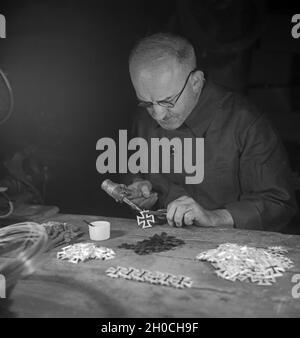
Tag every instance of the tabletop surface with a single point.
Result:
(62, 289)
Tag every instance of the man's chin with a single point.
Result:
(171, 125)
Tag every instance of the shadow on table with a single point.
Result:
(116, 234)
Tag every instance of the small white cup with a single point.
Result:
(100, 231)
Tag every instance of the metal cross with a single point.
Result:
(145, 220)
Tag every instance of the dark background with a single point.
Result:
(67, 64)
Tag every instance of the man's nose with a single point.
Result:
(158, 112)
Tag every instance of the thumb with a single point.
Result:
(188, 218)
(145, 190)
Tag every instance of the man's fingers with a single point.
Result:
(139, 189)
(178, 216)
(132, 193)
(138, 201)
(170, 213)
(149, 202)
(175, 213)
(188, 217)
(145, 189)
(145, 203)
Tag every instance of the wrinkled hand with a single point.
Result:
(141, 195)
(185, 210)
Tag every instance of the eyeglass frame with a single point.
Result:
(167, 104)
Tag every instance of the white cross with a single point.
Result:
(145, 219)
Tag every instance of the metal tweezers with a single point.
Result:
(159, 213)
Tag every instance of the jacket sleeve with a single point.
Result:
(267, 200)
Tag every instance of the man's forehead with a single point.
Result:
(163, 65)
(157, 75)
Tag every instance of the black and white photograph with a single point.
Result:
(149, 162)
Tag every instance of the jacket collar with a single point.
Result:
(204, 112)
(202, 115)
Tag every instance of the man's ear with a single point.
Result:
(197, 81)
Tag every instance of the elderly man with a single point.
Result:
(246, 171)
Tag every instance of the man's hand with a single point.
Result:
(186, 210)
(141, 195)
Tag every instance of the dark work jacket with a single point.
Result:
(246, 169)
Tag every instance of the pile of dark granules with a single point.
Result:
(156, 243)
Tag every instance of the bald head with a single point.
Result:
(159, 49)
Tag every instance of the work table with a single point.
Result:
(62, 289)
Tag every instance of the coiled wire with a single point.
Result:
(21, 245)
(10, 206)
(11, 98)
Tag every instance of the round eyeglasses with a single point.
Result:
(167, 103)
